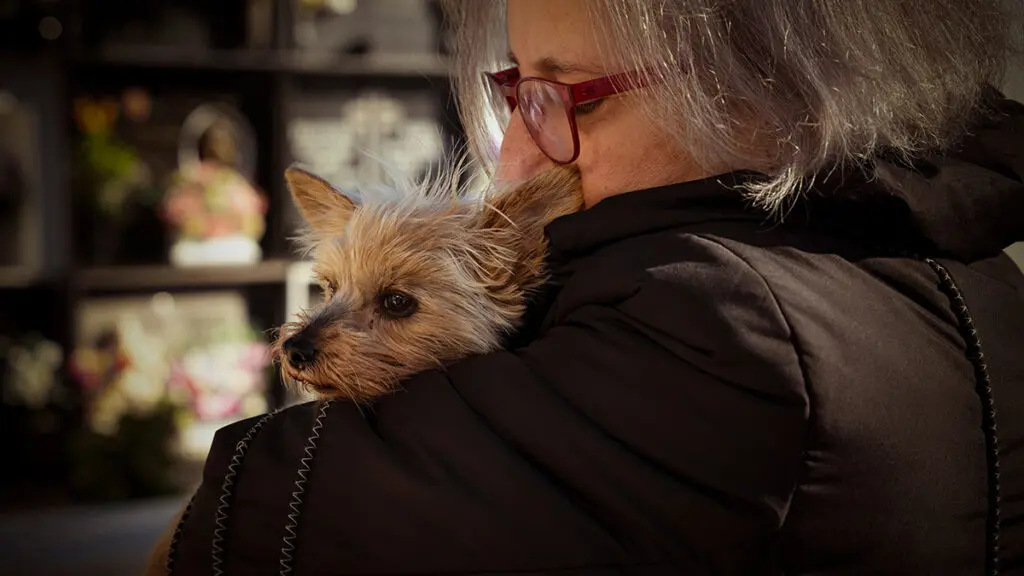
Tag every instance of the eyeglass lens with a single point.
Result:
(544, 109)
(545, 112)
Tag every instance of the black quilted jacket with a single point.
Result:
(702, 392)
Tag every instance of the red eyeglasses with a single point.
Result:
(549, 107)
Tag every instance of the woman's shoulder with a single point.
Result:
(688, 293)
(734, 275)
(686, 279)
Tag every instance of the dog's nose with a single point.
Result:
(301, 350)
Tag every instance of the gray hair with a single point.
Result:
(825, 83)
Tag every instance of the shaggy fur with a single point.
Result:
(462, 271)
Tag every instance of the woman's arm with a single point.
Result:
(666, 427)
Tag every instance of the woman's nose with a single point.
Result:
(519, 157)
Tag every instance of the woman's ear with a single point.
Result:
(325, 209)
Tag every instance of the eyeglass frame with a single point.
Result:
(573, 95)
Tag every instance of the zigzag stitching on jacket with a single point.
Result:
(305, 466)
(172, 548)
(227, 491)
(984, 389)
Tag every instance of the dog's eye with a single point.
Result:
(397, 304)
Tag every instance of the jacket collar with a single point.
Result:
(966, 204)
(616, 218)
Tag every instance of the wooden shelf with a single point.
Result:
(120, 278)
(267, 85)
(18, 277)
(431, 66)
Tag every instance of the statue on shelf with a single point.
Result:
(216, 214)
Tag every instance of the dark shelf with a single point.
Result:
(155, 277)
(429, 66)
(270, 87)
(14, 277)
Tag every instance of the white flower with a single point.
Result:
(224, 378)
(32, 374)
(107, 410)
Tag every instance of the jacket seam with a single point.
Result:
(797, 351)
(303, 474)
(227, 493)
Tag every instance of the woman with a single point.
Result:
(707, 389)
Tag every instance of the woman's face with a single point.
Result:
(619, 151)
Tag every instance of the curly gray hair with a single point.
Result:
(823, 82)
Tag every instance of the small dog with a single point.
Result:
(416, 280)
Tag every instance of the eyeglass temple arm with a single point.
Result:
(607, 86)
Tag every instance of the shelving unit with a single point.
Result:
(432, 67)
(163, 277)
(271, 83)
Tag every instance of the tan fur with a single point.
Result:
(470, 266)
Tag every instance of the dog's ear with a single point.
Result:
(325, 208)
(515, 217)
(531, 205)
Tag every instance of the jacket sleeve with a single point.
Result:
(660, 428)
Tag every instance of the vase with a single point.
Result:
(234, 250)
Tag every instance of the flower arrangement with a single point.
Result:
(223, 380)
(215, 214)
(151, 402)
(125, 372)
(108, 168)
(125, 448)
(33, 373)
(222, 372)
(220, 381)
(208, 200)
(110, 174)
(37, 415)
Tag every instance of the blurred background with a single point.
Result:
(145, 228)
(145, 249)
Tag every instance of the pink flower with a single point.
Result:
(218, 226)
(216, 406)
(183, 203)
(243, 200)
(256, 357)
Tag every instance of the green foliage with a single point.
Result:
(135, 462)
(107, 158)
(113, 176)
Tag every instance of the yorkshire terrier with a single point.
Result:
(415, 279)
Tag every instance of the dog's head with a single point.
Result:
(415, 281)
